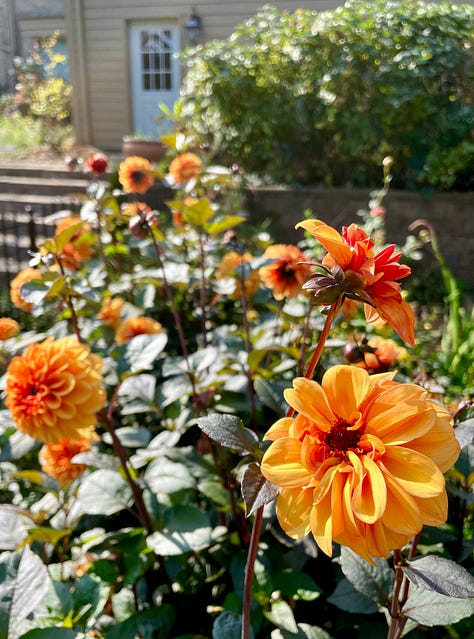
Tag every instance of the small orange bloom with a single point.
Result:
(231, 267)
(382, 354)
(354, 270)
(134, 175)
(362, 462)
(56, 459)
(185, 167)
(8, 328)
(78, 249)
(130, 209)
(111, 310)
(134, 326)
(23, 277)
(54, 390)
(285, 275)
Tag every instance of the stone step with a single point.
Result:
(42, 186)
(53, 169)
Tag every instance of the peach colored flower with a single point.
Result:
(354, 270)
(362, 462)
(184, 167)
(231, 267)
(285, 275)
(134, 175)
(381, 354)
(110, 312)
(56, 459)
(23, 277)
(130, 209)
(54, 390)
(8, 328)
(78, 249)
(133, 326)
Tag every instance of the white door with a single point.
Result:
(154, 74)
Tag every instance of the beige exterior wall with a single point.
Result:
(99, 54)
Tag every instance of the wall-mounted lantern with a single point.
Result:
(193, 28)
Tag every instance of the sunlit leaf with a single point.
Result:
(229, 431)
(441, 575)
(257, 491)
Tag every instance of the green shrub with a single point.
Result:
(321, 98)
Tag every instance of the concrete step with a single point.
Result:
(42, 185)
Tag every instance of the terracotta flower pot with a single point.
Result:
(152, 150)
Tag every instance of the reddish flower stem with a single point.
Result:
(248, 347)
(70, 305)
(257, 524)
(400, 593)
(202, 294)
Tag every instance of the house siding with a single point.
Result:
(105, 25)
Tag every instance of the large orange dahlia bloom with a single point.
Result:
(135, 174)
(184, 167)
(286, 274)
(358, 272)
(54, 390)
(362, 462)
(56, 459)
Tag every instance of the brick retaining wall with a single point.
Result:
(451, 214)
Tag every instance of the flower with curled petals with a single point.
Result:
(184, 167)
(362, 462)
(354, 270)
(287, 272)
(135, 175)
(133, 326)
(111, 311)
(56, 459)
(23, 277)
(54, 390)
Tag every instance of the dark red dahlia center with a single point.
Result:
(340, 439)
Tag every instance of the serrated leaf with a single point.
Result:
(431, 608)
(104, 492)
(30, 584)
(256, 489)
(373, 581)
(198, 213)
(347, 598)
(229, 431)
(441, 575)
(187, 529)
(142, 350)
(282, 616)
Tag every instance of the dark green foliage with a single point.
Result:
(321, 98)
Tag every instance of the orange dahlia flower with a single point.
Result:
(285, 275)
(130, 209)
(362, 462)
(381, 354)
(230, 267)
(110, 312)
(135, 175)
(184, 167)
(23, 277)
(133, 326)
(8, 328)
(54, 390)
(56, 459)
(356, 271)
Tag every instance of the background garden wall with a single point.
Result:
(451, 214)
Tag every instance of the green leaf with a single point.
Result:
(229, 431)
(431, 608)
(372, 581)
(282, 616)
(14, 525)
(61, 239)
(199, 213)
(104, 492)
(223, 225)
(296, 585)
(256, 489)
(227, 624)
(52, 633)
(441, 575)
(23, 592)
(305, 631)
(347, 598)
(47, 535)
(129, 436)
(187, 529)
(270, 395)
(142, 350)
(166, 476)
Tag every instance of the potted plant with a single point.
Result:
(151, 149)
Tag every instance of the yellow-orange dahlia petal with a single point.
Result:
(309, 399)
(281, 464)
(439, 444)
(417, 474)
(402, 513)
(279, 429)
(434, 510)
(369, 498)
(8, 328)
(321, 524)
(293, 510)
(355, 383)
(330, 239)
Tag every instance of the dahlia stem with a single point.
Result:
(143, 513)
(70, 305)
(249, 571)
(248, 348)
(202, 294)
(303, 340)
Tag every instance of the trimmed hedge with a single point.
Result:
(322, 98)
